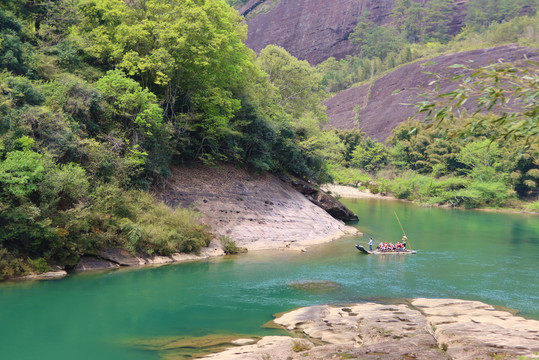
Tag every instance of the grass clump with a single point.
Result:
(299, 346)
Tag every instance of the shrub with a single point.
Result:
(534, 206)
(229, 246)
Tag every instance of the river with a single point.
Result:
(140, 313)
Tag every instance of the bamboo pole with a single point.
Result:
(394, 212)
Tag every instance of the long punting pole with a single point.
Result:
(401, 225)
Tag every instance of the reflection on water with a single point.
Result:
(465, 254)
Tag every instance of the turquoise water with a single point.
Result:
(489, 257)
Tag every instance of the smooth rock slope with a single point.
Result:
(392, 97)
(256, 211)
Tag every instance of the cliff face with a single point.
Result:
(315, 30)
(256, 211)
(388, 102)
(311, 30)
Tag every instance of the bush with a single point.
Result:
(229, 246)
(534, 207)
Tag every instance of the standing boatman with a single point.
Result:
(370, 244)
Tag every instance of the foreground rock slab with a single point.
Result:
(474, 330)
(429, 329)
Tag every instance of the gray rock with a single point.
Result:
(121, 257)
(91, 263)
(325, 201)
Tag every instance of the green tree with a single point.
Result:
(370, 156)
(190, 53)
(12, 48)
(136, 108)
(375, 41)
(423, 21)
(481, 13)
(298, 83)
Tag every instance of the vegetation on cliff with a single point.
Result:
(410, 37)
(99, 97)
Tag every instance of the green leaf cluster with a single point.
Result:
(98, 98)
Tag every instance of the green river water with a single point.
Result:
(135, 313)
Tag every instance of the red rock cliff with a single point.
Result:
(315, 30)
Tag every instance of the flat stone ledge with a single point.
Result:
(424, 329)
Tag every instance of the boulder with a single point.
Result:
(425, 329)
(325, 201)
(474, 330)
(256, 211)
(49, 275)
(92, 263)
(121, 257)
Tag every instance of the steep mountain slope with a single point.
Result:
(315, 30)
(386, 103)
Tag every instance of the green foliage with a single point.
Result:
(534, 207)
(495, 86)
(297, 81)
(423, 22)
(12, 49)
(229, 246)
(481, 13)
(181, 48)
(348, 175)
(20, 173)
(132, 106)
(370, 156)
(375, 41)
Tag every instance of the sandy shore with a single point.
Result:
(353, 193)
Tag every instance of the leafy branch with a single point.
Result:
(510, 91)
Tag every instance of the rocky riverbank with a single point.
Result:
(258, 212)
(429, 329)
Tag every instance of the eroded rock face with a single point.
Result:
(315, 30)
(256, 211)
(428, 329)
(392, 97)
(327, 202)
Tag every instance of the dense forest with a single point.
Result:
(99, 98)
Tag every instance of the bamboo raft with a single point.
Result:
(376, 252)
